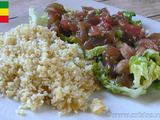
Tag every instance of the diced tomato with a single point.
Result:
(73, 26)
(134, 30)
(104, 16)
(83, 33)
(94, 31)
(80, 15)
(140, 50)
(107, 25)
(112, 52)
(120, 13)
(95, 41)
(122, 66)
(65, 25)
(104, 26)
(55, 12)
(109, 57)
(53, 16)
(127, 51)
(87, 9)
(104, 10)
(147, 43)
(94, 20)
(155, 36)
(54, 27)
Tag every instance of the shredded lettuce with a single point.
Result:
(71, 39)
(146, 69)
(108, 83)
(36, 19)
(95, 51)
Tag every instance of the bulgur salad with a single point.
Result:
(37, 67)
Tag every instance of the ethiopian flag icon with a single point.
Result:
(4, 11)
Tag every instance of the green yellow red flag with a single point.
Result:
(4, 11)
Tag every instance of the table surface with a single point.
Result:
(146, 8)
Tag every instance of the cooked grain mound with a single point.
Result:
(37, 67)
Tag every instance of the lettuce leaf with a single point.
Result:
(36, 19)
(95, 51)
(145, 69)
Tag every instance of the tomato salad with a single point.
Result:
(115, 41)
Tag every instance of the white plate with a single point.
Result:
(121, 107)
